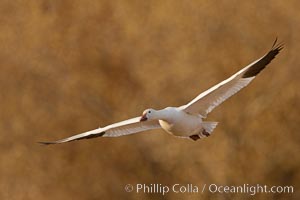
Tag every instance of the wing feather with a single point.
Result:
(126, 127)
(211, 98)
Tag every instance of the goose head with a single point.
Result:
(148, 114)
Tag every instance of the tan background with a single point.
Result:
(71, 66)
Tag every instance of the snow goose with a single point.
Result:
(185, 121)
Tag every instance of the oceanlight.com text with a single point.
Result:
(249, 189)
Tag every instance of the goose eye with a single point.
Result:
(149, 111)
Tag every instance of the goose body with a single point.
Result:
(185, 121)
(179, 123)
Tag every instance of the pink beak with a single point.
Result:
(143, 118)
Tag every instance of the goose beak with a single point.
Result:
(143, 118)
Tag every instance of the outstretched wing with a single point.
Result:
(126, 127)
(211, 98)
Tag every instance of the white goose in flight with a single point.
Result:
(185, 121)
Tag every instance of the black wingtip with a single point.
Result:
(274, 43)
(264, 61)
(277, 47)
(70, 139)
(46, 143)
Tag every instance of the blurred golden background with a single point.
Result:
(72, 66)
